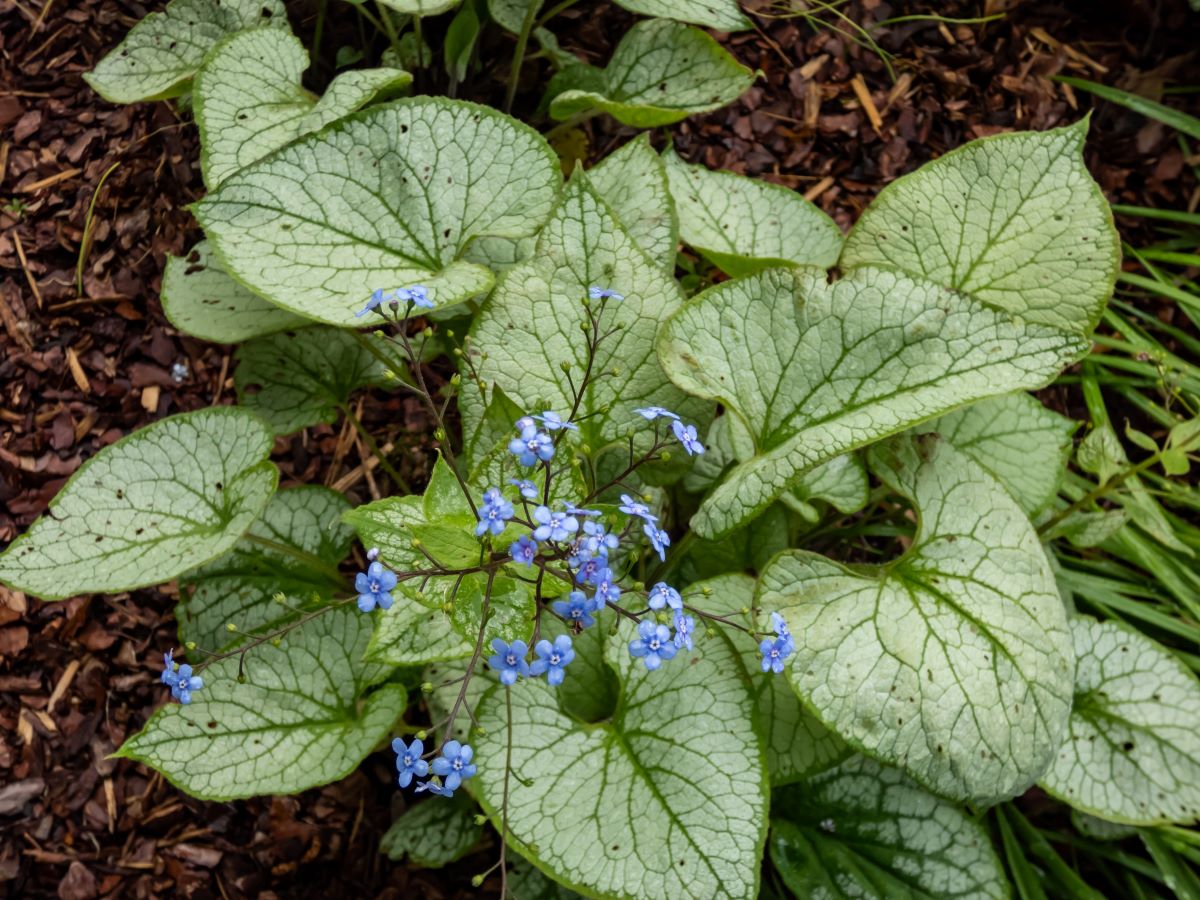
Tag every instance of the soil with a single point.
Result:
(93, 199)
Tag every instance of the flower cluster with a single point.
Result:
(450, 770)
(180, 679)
(416, 295)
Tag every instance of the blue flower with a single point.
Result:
(659, 539)
(509, 660)
(554, 422)
(434, 788)
(598, 542)
(552, 659)
(523, 550)
(607, 590)
(185, 684)
(554, 525)
(602, 293)
(373, 554)
(685, 626)
(650, 413)
(781, 629)
(580, 511)
(662, 594)
(686, 435)
(377, 298)
(531, 446)
(409, 762)
(374, 587)
(494, 513)
(417, 295)
(588, 568)
(454, 766)
(168, 676)
(577, 609)
(525, 488)
(653, 644)
(774, 652)
(632, 507)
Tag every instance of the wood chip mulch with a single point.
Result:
(92, 200)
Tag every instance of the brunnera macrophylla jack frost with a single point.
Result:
(609, 583)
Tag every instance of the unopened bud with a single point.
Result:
(422, 734)
(480, 819)
(428, 332)
(706, 591)
(458, 351)
(456, 379)
(276, 642)
(241, 678)
(427, 687)
(373, 554)
(565, 365)
(449, 333)
(230, 627)
(378, 332)
(479, 731)
(584, 327)
(440, 434)
(416, 543)
(191, 645)
(666, 455)
(745, 610)
(476, 881)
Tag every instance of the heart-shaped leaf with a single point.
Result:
(743, 225)
(165, 499)
(1013, 220)
(249, 100)
(1132, 753)
(1020, 442)
(200, 299)
(849, 363)
(282, 729)
(722, 15)
(295, 379)
(953, 662)
(410, 634)
(384, 198)
(530, 326)
(162, 52)
(667, 799)
(864, 830)
(301, 541)
(660, 73)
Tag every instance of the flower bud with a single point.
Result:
(191, 645)
(230, 627)
(476, 881)
(427, 687)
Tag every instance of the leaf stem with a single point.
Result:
(389, 27)
(514, 76)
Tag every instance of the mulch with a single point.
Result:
(93, 199)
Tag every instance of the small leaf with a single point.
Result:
(200, 299)
(250, 102)
(849, 363)
(1014, 220)
(743, 225)
(673, 786)
(842, 483)
(510, 14)
(295, 379)
(864, 830)
(240, 586)
(162, 52)
(721, 15)
(1185, 435)
(459, 43)
(633, 182)
(661, 72)
(161, 501)
(1140, 438)
(953, 662)
(1021, 443)
(530, 325)
(1101, 454)
(297, 720)
(434, 833)
(1132, 753)
(384, 198)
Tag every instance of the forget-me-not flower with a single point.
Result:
(650, 413)
(632, 507)
(434, 788)
(523, 550)
(685, 626)
(576, 609)
(597, 541)
(554, 525)
(662, 594)
(596, 292)
(553, 659)
(607, 590)
(525, 488)
(659, 539)
(774, 652)
(408, 761)
(686, 435)
(531, 446)
(781, 629)
(653, 645)
(181, 681)
(552, 421)
(454, 766)
(374, 587)
(509, 660)
(494, 513)
(417, 295)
